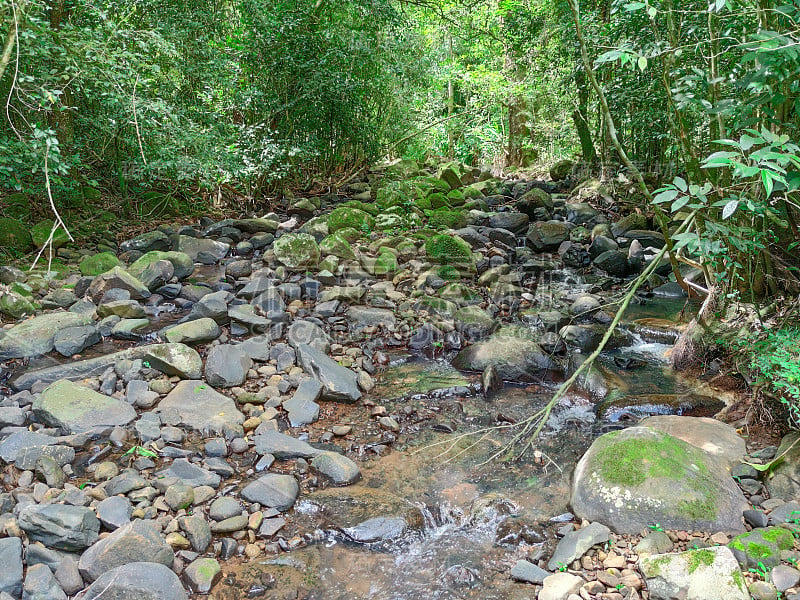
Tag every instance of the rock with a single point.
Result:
(49, 471)
(559, 586)
(202, 574)
(37, 335)
(306, 332)
(227, 366)
(336, 467)
(513, 353)
(705, 574)
(474, 323)
(16, 305)
(515, 222)
(190, 474)
(193, 247)
(136, 581)
(60, 526)
(762, 545)
(200, 407)
(785, 480)
(74, 340)
(179, 496)
(11, 559)
(224, 507)
(68, 576)
(283, 446)
(656, 542)
(76, 409)
(197, 531)
(616, 409)
(125, 545)
(14, 235)
(561, 170)
(711, 436)
(377, 529)
(339, 384)
(93, 265)
(528, 572)
(114, 512)
(302, 407)
(613, 262)
(173, 359)
(125, 309)
(117, 278)
(24, 448)
(633, 478)
(153, 240)
(547, 235)
(273, 490)
(41, 585)
(297, 250)
(576, 543)
(182, 264)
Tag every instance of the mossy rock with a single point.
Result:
(17, 206)
(368, 207)
(405, 169)
(561, 170)
(355, 218)
(297, 250)
(455, 198)
(385, 263)
(14, 237)
(95, 264)
(338, 246)
(446, 219)
(448, 250)
(438, 200)
(761, 545)
(41, 231)
(15, 305)
(459, 293)
(423, 203)
(434, 184)
(181, 262)
(637, 477)
(448, 273)
(350, 235)
(473, 192)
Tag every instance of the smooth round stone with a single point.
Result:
(179, 496)
(784, 577)
(224, 507)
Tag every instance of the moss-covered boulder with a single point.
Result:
(533, 199)
(181, 262)
(700, 574)
(101, 262)
(446, 219)
(15, 305)
(350, 235)
(455, 198)
(297, 250)
(512, 351)
(448, 250)
(338, 246)
(385, 263)
(41, 232)
(345, 216)
(761, 545)
(561, 170)
(437, 200)
(635, 478)
(14, 236)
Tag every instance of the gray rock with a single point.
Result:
(214, 306)
(377, 529)
(474, 323)
(613, 262)
(547, 235)
(11, 559)
(49, 471)
(528, 572)
(68, 576)
(60, 526)
(193, 246)
(513, 352)
(153, 240)
(117, 279)
(273, 490)
(125, 309)
(224, 507)
(656, 542)
(339, 384)
(227, 366)
(297, 250)
(306, 332)
(136, 581)
(75, 409)
(710, 435)
(127, 544)
(283, 446)
(705, 574)
(515, 222)
(577, 543)
(560, 586)
(40, 584)
(269, 527)
(179, 496)
(336, 467)
(73, 340)
(302, 407)
(190, 474)
(229, 525)
(362, 316)
(37, 335)
(202, 574)
(633, 478)
(784, 577)
(193, 332)
(203, 409)
(761, 546)
(114, 512)
(197, 532)
(24, 448)
(785, 480)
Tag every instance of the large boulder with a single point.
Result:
(101, 262)
(117, 278)
(76, 409)
(128, 544)
(37, 335)
(14, 236)
(60, 526)
(785, 480)
(197, 405)
(512, 351)
(713, 437)
(136, 581)
(634, 478)
(702, 574)
(338, 383)
(227, 366)
(547, 235)
(297, 250)
(181, 262)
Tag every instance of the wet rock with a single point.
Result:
(633, 478)
(190, 474)
(528, 572)
(377, 529)
(513, 353)
(547, 235)
(37, 335)
(273, 490)
(227, 366)
(75, 409)
(40, 584)
(705, 574)
(283, 446)
(11, 559)
(711, 436)
(585, 338)
(339, 384)
(136, 581)
(60, 526)
(559, 586)
(602, 244)
(336, 467)
(200, 407)
(202, 574)
(613, 262)
(474, 323)
(576, 543)
(633, 408)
